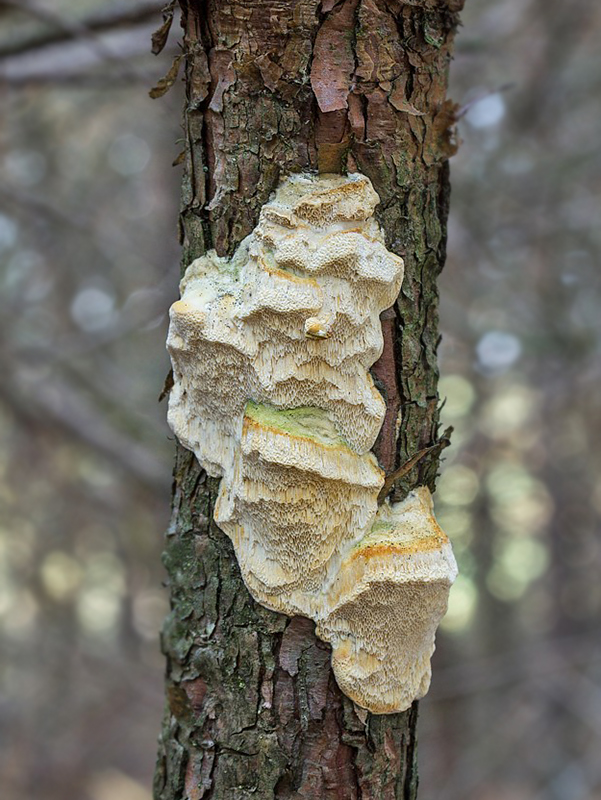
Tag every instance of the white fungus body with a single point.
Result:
(271, 352)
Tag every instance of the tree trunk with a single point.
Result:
(275, 87)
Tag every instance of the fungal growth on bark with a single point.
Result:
(271, 352)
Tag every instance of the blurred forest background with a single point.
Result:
(88, 268)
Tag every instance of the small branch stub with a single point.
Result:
(405, 469)
(271, 352)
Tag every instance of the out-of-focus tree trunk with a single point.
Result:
(274, 87)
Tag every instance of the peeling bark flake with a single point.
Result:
(380, 55)
(270, 72)
(384, 371)
(356, 117)
(333, 59)
(293, 640)
(222, 70)
(199, 78)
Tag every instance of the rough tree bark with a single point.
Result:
(273, 87)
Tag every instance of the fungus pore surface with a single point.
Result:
(271, 352)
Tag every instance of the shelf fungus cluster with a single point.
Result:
(271, 352)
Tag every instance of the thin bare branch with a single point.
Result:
(58, 404)
(60, 28)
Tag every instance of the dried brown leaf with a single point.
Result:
(166, 82)
(167, 385)
(160, 36)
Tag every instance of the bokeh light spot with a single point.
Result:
(486, 112)
(93, 309)
(462, 604)
(8, 233)
(61, 575)
(25, 167)
(507, 411)
(458, 486)
(128, 154)
(459, 394)
(498, 350)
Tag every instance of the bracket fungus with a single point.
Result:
(271, 352)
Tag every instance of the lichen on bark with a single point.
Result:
(252, 708)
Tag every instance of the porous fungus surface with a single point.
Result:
(271, 352)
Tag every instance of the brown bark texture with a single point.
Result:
(274, 87)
